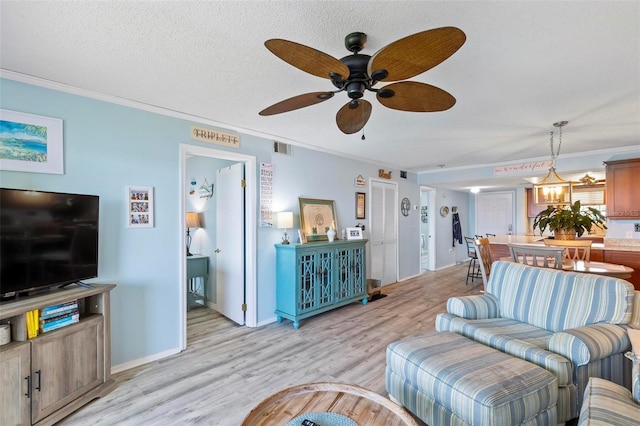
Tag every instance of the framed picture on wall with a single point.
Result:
(316, 217)
(361, 202)
(30, 143)
(140, 206)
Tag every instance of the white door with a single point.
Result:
(230, 276)
(494, 213)
(384, 231)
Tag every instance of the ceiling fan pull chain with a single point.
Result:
(363, 138)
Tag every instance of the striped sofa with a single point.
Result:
(571, 324)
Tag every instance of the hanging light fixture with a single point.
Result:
(553, 190)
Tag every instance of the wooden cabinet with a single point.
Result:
(623, 196)
(627, 258)
(316, 277)
(532, 208)
(50, 376)
(15, 373)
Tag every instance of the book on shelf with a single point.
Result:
(58, 316)
(60, 323)
(54, 310)
(32, 323)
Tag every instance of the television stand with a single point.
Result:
(80, 283)
(48, 377)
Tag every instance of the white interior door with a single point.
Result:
(384, 231)
(494, 213)
(230, 275)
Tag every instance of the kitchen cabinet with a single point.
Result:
(532, 208)
(627, 258)
(623, 197)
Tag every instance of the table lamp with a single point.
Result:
(193, 221)
(285, 220)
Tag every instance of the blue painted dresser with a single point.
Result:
(319, 276)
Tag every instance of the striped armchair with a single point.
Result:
(606, 403)
(569, 323)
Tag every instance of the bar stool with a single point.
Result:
(473, 270)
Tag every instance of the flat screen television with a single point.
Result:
(46, 239)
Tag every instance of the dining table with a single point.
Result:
(591, 267)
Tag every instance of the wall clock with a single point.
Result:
(444, 211)
(405, 206)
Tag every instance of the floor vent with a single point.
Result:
(281, 148)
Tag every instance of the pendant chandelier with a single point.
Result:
(553, 190)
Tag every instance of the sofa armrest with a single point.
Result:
(483, 306)
(583, 345)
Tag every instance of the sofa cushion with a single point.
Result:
(513, 337)
(557, 300)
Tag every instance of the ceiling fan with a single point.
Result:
(356, 73)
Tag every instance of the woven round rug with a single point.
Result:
(323, 419)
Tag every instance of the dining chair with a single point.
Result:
(483, 249)
(473, 270)
(573, 249)
(543, 257)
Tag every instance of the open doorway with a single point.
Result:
(427, 229)
(245, 291)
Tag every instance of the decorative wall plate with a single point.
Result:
(405, 206)
(444, 211)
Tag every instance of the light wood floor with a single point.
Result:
(226, 369)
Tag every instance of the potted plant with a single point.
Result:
(566, 222)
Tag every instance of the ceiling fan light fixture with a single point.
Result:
(386, 93)
(355, 89)
(378, 75)
(356, 73)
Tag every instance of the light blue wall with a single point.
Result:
(109, 146)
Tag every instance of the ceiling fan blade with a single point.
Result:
(417, 53)
(417, 97)
(353, 116)
(307, 58)
(297, 102)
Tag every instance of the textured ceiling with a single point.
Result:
(524, 66)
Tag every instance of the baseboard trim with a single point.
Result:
(144, 360)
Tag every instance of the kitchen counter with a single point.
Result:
(617, 244)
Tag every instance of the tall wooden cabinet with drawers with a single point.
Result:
(316, 277)
(48, 377)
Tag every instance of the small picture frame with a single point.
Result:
(140, 206)
(361, 203)
(354, 233)
(302, 236)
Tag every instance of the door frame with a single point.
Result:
(250, 229)
(431, 194)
